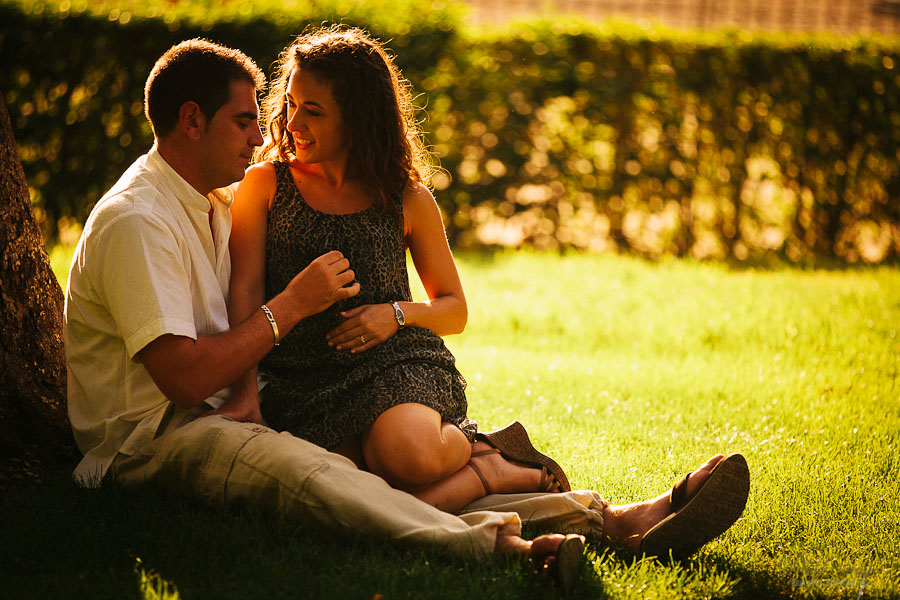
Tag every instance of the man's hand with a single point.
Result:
(366, 327)
(240, 407)
(323, 282)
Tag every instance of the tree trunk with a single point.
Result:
(34, 430)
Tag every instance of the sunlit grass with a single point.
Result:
(630, 374)
(636, 372)
(60, 259)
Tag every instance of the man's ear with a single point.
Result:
(192, 121)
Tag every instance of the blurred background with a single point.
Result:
(741, 130)
(840, 16)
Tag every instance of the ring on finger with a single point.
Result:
(362, 338)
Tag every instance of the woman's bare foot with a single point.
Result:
(503, 476)
(626, 524)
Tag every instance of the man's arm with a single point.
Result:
(247, 244)
(188, 371)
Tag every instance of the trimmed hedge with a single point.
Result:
(703, 145)
(552, 135)
(73, 79)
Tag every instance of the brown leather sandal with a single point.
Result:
(514, 444)
(706, 515)
(561, 567)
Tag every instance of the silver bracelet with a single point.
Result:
(272, 322)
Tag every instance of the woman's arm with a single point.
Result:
(248, 268)
(444, 313)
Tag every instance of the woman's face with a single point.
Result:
(314, 120)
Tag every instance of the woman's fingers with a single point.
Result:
(366, 326)
(351, 323)
(364, 344)
(351, 338)
(356, 339)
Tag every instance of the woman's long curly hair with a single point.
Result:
(387, 152)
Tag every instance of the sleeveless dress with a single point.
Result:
(325, 395)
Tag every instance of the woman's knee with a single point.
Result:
(409, 461)
(409, 446)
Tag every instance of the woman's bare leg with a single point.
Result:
(413, 450)
(464, 486)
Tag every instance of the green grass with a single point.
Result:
(60, 259)
(629, 374)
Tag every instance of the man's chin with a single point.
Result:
(229, 181)
(237, 175)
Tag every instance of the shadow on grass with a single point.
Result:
(58, 540)
(62, 541)
(703, 576)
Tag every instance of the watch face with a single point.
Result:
(401, 318)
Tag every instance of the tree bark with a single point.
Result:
(34, 429)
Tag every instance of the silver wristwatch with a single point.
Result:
(398, 314)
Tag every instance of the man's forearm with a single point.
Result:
(188, 371)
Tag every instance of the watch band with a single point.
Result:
(398, 314)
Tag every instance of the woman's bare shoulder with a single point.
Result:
(417, 196)
(258, 184)
(420, 210)
(261, 171)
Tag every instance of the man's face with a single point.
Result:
(230, 137)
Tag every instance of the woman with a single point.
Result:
(343, 169)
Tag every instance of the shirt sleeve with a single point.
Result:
(144, 280)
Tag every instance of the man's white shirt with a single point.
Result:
(147, 264)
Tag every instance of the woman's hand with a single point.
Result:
(365, 327)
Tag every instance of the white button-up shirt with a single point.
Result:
(147, 264)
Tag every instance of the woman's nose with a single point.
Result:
(295, 123)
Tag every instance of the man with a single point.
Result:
(151, 353)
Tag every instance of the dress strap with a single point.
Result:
(398, 202)
(284, 182)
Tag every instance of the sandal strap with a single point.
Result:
(484, 452)
(679, 497)
(484, 483)
(549, 482)
(515, 446)
(476, 453)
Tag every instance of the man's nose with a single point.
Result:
(257, 137)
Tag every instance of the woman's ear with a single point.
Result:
(191, 121)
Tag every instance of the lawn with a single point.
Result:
(629, 373)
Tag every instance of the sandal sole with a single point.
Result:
(713, 509)
(569, 557)
(514, 444)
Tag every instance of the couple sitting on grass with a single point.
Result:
(195, 313)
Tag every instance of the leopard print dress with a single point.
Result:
(325, 395)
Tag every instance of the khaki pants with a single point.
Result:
(223, 462)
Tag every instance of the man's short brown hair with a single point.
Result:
(195, 71)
